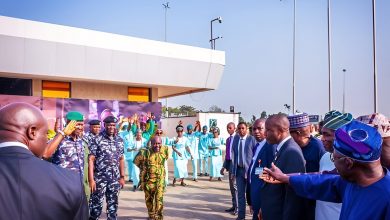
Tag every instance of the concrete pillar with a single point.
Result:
(154, 94)
(36, 87)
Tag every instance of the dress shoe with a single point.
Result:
(240, 218)
(230, 210)
(234, 213)
(200, 174)
(206, 174)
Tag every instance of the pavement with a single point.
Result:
(197, 200)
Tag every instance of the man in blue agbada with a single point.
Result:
(203, 149)
(363, 185)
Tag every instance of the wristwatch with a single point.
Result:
(62, 133)
(122, 177)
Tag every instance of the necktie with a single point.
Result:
(254, 149)
(241, 164)
(276, 153)
(228, 148)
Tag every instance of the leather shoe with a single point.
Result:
(234, 213)
(240, 218)
(230, 210)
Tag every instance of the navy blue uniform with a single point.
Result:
(107, 154)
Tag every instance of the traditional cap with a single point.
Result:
(142, 124)
(335, 119)
(190, 127)
(205, 127)
(110, 119)
(138, 130)
(299, 121)
(358, 141)
(77, 116)
(377, 121)
(216, 129)
(179, 127)
(94, 122)
(124, 127)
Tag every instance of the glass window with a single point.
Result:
(15, 86)
(138, 94)
(55, 89)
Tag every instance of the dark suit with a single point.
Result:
(282, 202)
(228, 165)
(253, 188)
(239, 172)
(35, 189)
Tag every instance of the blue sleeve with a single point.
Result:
(121, 148)
(93, 148)
(211, 135)
(197, 134)
(324, 187)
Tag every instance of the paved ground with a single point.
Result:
(197, 200)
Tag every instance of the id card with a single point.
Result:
(259, 170)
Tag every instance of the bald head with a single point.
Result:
(24, 123)
(231, 127)
(277, 128)
(156, 143)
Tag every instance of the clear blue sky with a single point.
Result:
(257, 38)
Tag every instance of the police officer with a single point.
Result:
(94, 130)
(69, 149)
(106, 173)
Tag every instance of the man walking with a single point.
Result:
(151, 160)
(228, 165)
(106, 170)
(243, 145)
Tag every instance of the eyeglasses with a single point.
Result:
(158, 132)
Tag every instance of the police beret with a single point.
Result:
(110, 119)
(94, 122)
(77, 116)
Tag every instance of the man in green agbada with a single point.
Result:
(151, 163)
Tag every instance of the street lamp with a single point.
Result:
(344, 70)
(211, 39)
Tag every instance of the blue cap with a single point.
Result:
(138, 130)
(190, 127)
(205, 127)
(358, 141)
(299, 121)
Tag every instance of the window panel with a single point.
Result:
(55, 89)
(138, 94)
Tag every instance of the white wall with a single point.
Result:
(222, 120)
(169, 124)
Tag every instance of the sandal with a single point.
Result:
(219, 179)
(211, 179)
(183, 184)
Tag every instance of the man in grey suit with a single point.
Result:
(281, 201)
(243, 145)
(228, 165)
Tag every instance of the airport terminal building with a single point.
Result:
(48, 60)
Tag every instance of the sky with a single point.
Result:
(258, 42)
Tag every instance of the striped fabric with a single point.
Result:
(335, 119)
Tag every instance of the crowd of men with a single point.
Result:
(345, 165)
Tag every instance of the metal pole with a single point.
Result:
(374, 45)
(344, 70)
(211, 35)
(165, 24)
(294, 62)
(329, 61)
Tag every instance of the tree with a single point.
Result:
(215, 108)
(164, 111)
(173, 111)
(253, 119)
(187, 110)
(240, 119)
(281, 113)
(263, 115)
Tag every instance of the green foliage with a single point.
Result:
(264, 115)
(215, 108)
(241, 120)
(187, 110)
(253, 119)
